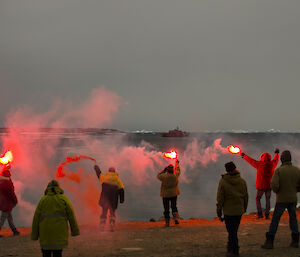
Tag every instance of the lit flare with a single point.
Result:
(171, 155)
(7, 158)
(234, 149)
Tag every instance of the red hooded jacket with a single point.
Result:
(265, 169)
(8, 199)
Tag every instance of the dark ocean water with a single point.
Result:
(136, 157)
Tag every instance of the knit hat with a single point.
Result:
(286, 156)
(112, 169)
(53, 183)
(170, 168)
(6, 173)
(230, 166)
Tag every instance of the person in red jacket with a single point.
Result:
(265, 170)
(8, 201)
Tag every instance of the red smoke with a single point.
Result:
(60, 173)
(35, 152)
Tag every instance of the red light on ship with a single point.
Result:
(171, 155)
(234, 149)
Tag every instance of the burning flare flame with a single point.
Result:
(233, 149)
(171, 155)
(7, 158)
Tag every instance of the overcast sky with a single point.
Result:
(201, 65)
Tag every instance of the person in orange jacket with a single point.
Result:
(264, 173)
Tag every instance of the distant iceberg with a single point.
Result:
(143, 131)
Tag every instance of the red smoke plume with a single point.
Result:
(71, 175)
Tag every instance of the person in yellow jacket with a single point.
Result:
(169, 191)
(50, 221)
(112, 189)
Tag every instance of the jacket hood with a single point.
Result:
(232, 177)
(266, 157)
(53, 190)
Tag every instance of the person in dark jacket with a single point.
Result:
(264, 172)
(232, 200)
(169, 191)
(8, 200)
(50, 222)
(112, 189)
(285, 183)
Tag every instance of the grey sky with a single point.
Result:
(202, 65)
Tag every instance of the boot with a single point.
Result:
(15, 231)
(112, 225)
(229, 249)
(102, 224)
(167, 222)
(259, 215)
(295, 240)
(236, 251)
(267, 215)
(176, 217)
(269, 241)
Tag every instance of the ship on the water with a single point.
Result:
(176, 133)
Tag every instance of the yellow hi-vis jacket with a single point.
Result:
(111, 178)
(112, 189)
(51, 218)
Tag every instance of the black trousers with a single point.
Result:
(166, 203)
(48, 253)
(232, 225)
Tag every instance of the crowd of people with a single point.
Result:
(54, 212)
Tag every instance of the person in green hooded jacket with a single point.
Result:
(50, 221)
(285, 183)
(232, 200)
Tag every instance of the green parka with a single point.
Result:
(169, 182)
(50, 221)
(286, 182)
(232, 196)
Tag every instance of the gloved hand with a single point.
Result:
(97, 170)
(242, 154)
(177, 161)
(122, 195)
(219, 213)
(276, 150)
